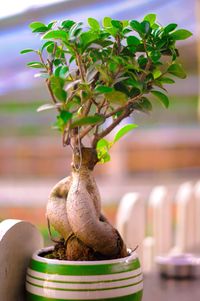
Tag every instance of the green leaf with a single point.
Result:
(155, 56)
(46, 44)
(65, 116)
(57, 71)
(91, 73)
(170, 27)
(145, 27)
(125, 23)
(75, 30)
(102, 148)
(107, 22)
(63, 71)
(56, 34)
(162, 97)
(57, 62)
(177, 70)
(133, 41)
(117, 24)
(181, 34)
(87, 38)
(136, 26)
(67, 24)
(156, 73)
(124, 130)
(48, 106)
(167, 80)
(94, 24)
(145, 104)
(41, 29)
(103, 143)
(103, 89)
(116, 97)
(72, 84)
(57, 85)
(151, 18)
(35, 25)
(42, 75)
(62, 120)
(95, 119)
(103, 157)
(26, 51)
(35, 65)
(51, 24)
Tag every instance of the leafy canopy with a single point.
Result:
(97, 75)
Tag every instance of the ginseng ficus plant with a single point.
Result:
(98, 75)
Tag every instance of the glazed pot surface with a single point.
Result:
(108, 280)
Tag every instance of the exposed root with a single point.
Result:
(74, 211)
(56, 207)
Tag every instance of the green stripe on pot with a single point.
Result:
(77, 270)
(133, 297)
(83, 290)
(85, 282)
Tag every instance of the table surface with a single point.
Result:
(161, 289)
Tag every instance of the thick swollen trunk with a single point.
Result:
(82, 215)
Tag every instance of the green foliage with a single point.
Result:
(96, 119)
(177, 70)
(104, 146)
(151, 18)
(124, 130)
(55, 34)
(105, 71)
(94, 24)
(162, 97)
(181, 34)
(26, 51)
(36, 65)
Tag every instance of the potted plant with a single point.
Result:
(97, 76)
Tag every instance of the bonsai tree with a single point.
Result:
(97, 76)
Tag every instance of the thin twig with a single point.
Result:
(112, 126)
(51, 92)
(86, 131)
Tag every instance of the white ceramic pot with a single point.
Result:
(108, 280)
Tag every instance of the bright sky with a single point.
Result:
(10, 7)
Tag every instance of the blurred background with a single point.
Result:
(164, 150)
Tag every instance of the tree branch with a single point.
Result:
(86, 131)
(117, 110)
(51, 92)
(80, 65)
(148, 65)
(104, 133)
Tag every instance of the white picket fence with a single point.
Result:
(165, 223)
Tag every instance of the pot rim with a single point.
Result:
(133, 255)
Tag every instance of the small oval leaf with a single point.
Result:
(133, 41)
(181, 34)
(55, 34)
(48, 106)
(35, 25)
(94, 24)
(162, 97)
(26, 51)
(177, 70)
(95, 119)
(124, 130)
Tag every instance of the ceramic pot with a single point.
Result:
(108, 280)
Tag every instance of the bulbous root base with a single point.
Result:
(74, 210)
(75, 249)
